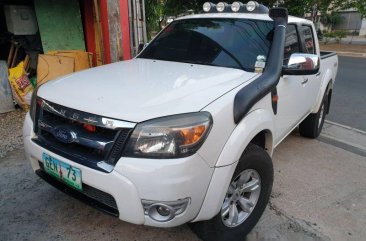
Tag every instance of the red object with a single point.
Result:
(89, 29)
(89, 128)
(275, 98)
(105, 31)
(23, 82)
(125, 27)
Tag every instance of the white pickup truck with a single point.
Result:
(184, 132)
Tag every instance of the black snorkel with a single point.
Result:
(249, 95)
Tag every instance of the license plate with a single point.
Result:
(62, 171)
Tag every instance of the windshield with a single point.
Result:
(232, 43)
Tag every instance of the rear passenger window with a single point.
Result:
(291, 43)
(309, 40)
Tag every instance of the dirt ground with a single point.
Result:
(343, 48)
(11, 131)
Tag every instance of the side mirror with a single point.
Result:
(302, 64)
(141, 47)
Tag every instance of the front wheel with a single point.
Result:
(245, 200)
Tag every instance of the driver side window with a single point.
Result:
(291, 43)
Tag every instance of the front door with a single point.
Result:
(291, 90)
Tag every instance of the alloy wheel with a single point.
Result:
(241, 198)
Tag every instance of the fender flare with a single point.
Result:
(255, 122)
(327, 84)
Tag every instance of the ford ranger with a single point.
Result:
(184, 132)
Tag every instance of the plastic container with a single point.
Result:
(6, 97)
(20, 19)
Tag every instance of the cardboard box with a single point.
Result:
(51, 67)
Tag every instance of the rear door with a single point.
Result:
(311, 83)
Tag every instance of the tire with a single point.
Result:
(312, 126)
(253, 158)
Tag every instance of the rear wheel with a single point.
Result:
(245, 200)
(312, 126)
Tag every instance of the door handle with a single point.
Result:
(318, 74)
(305, 81)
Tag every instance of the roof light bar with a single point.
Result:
(235, 7)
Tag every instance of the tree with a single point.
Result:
(360, 5)
(298, 7)
(154, 12)
(158, 9)
(331, 19)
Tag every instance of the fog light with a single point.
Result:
(163, 211)
(251, 6)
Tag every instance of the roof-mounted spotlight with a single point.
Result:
(222, 6)
(251, 6)
(255, 7)
(208, 7)
(237, 6)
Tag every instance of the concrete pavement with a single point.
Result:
(32, 210)
(323, 185)
(345, 137)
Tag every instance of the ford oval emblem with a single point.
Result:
(64, 135)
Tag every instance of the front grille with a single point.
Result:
(67, 133)
(89, 195)
(117, 149)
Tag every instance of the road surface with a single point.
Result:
(349, 93)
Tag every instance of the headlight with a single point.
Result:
(170, 137)
(32, 108)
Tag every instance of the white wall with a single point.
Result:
(363, 27)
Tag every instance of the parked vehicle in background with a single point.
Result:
(184, 133)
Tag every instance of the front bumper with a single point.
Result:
(137, 179)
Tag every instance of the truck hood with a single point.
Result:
(142, 89)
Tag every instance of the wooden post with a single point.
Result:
(105, 31)
(11, 54)
(89, 29)
(125, 26)
(115, 34)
